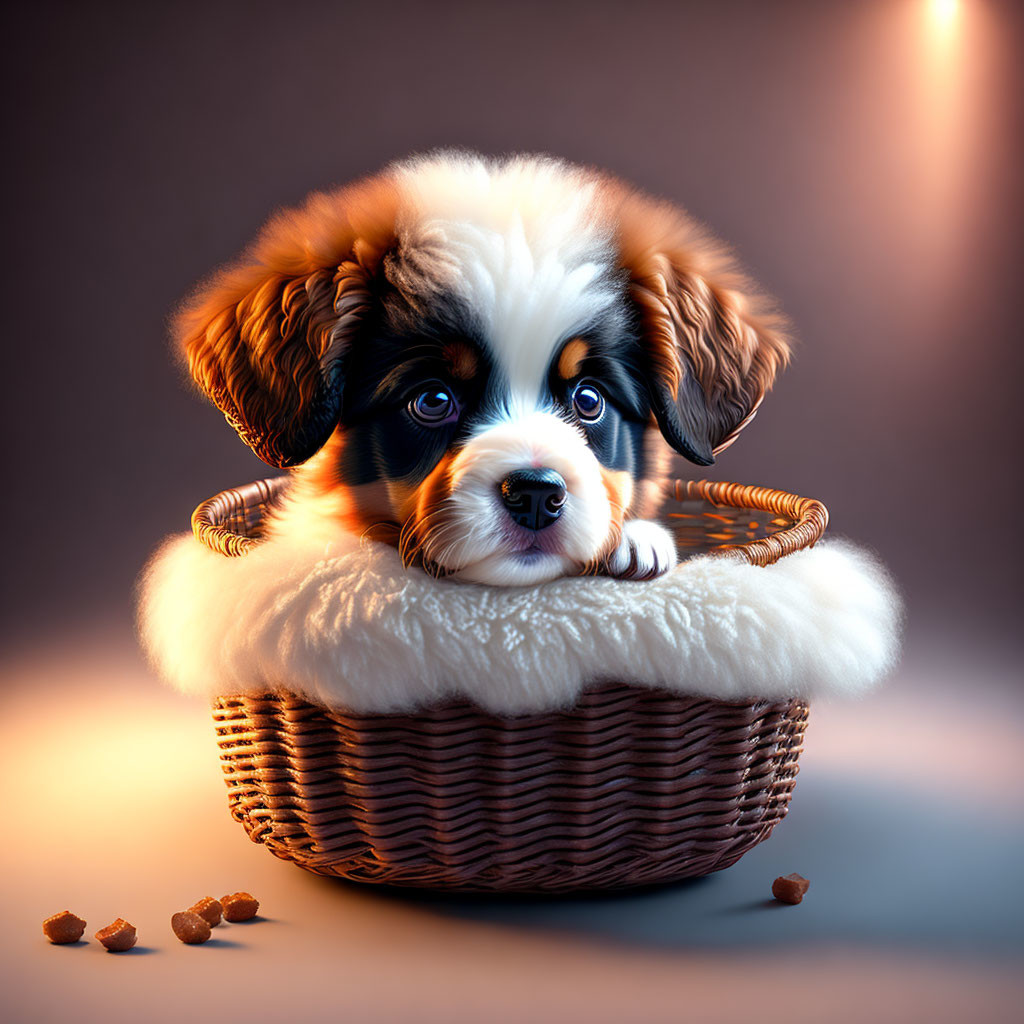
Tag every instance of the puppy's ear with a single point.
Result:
(711, 346)
(265, 340)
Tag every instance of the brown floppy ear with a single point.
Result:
(265, 340)
(711, 345)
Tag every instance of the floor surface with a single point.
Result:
(908, 818)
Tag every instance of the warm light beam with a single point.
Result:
(944, 13)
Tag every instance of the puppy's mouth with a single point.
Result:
(534, 555)
(520, 556)
(527, 553)
(520, 568)
(519, 542)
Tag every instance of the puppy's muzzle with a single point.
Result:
(534, 498)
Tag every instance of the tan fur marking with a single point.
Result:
(369, 510)
(618, 485)
(571, 359)
(462, 359)
(650, 491)
(426, 529)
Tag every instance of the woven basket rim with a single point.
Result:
(212, 528)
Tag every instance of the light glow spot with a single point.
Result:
(944, 13)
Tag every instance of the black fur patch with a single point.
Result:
(402, 350)
(612, 366)
(398, 356)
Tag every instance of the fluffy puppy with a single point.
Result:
(480, 361)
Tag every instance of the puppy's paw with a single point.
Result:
(646, 550)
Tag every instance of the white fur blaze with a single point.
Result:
(521, 243)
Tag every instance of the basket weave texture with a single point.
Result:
(632, 786)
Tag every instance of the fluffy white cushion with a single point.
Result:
(346, 625)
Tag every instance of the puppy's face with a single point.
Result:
(478, 361)
(494, 472)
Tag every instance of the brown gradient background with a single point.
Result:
(863, 161)
(868, 185)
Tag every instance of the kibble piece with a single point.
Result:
(190, 928)
(118, 937)
(790, 888)
(208, 909)
(63, 928)
(240, 906)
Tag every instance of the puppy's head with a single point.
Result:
(478, 360)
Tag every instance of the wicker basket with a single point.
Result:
(631, 787)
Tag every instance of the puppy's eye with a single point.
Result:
(434, 407)
(588, 402)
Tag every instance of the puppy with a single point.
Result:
(480, 361)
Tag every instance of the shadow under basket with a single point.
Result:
(631, 786)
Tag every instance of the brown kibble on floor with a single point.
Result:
(790, 888)
(209, 910)
(118, 937)
(63, 928)
(190, 928)
(240, 906)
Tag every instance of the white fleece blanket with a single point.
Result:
(350, 627)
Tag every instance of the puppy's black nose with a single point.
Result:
(534, 497)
